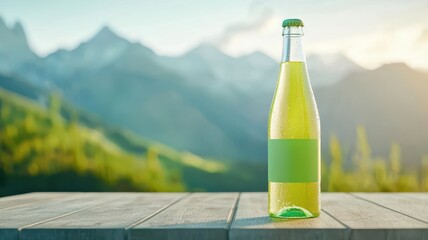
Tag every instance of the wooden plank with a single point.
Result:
(12, 219)
(19, 200)
(198, 216)
(208, 216)
(418, 195)
(107, 221)
(252, 222)
(414, 205)
(371, 221)
(28, 198)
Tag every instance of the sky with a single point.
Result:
(370, 33)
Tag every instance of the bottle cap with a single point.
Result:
(292, 22)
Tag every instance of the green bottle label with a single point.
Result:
(293, 160)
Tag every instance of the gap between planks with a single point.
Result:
(66, 214)
(378, 204)
(156, 212)
(232, 213)
(229, 220)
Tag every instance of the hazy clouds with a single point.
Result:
(261, 20)
(369, 32)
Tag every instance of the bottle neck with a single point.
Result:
(293, 45)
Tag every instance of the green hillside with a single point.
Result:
(41, 151)
(58, 148)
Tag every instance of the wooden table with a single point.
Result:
(208, 216)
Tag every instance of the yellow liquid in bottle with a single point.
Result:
(294, 115)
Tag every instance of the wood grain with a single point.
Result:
(371, 221)
(252, 222)
(13, 219)
(233, 216)
(414, 205)
(28, 198)
(107, 221)
(198, 216)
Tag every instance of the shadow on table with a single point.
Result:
(219, 224)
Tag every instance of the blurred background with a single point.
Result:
(174, 95)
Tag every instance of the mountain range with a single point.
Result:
(390, 102)
(216, 105)
(14, 48)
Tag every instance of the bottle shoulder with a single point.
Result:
(294, 112)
